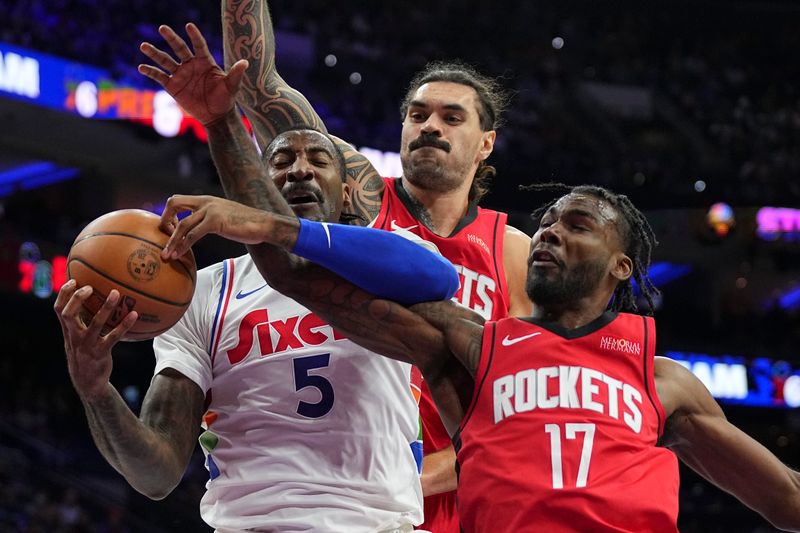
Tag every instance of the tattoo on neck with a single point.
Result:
(419, 212)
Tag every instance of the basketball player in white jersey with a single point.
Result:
(303, 430)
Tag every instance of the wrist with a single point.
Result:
(221, 119)
(97, 395)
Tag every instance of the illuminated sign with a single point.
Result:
(776, 223)
(38, 276)
(19, 74)
(91, 93)
(760, 382)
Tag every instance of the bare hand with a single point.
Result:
(211, 214)
(88, 350)
(196, 82)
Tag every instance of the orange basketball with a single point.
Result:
(122, 250)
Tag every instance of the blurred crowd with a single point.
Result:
(725, 111)
(720, 122)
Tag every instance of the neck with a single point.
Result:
(439, 211)
(572, 315)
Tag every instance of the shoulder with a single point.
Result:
(680, 391)
(517, 239)
(516, 248)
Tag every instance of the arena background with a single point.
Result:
(691, 108)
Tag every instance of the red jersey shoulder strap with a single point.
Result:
(484, 364)
(649, 341)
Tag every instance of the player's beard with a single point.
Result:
(434, 174)
(570, 286)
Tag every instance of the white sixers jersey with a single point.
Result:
(305, 430)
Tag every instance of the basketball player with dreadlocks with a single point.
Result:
(566, 420)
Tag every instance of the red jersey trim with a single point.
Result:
(499, 268)
(483, 372)
(649, 372)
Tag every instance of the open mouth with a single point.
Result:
(543, 258)
(300, 197)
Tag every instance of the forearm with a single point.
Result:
(139, 453)
(241, 171)
(247, 34)
(739, 465)
(438, 472)
(393, 267)
(366, 185)
(244, 180)
(270, 104)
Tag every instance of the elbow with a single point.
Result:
(786, 515)
(785, 523)
(156, 489)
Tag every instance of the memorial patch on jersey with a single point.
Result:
(566, 387)
(616, 344)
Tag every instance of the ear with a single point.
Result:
(623, 267)
(347, 192)
(487, 145)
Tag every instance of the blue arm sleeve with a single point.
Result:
(384, 264)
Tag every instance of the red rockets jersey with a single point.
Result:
(562, 431)
(475, 248)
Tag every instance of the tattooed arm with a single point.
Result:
(273, 106)
(150, 451)
(443, 339)
(207, 93)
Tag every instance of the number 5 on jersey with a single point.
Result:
(303, 378)
(572, 430)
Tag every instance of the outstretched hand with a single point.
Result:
(222, 217)
(195, 80)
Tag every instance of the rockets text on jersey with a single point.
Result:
(566, 387)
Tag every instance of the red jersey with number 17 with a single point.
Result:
(563, 429)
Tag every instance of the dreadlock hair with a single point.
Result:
(492, 102)
(638, 240)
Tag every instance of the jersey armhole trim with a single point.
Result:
(649, 373)
(479, 380)
(497, 249)
(222, 307)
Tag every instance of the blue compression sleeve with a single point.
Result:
(384, 264)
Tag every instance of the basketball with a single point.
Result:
(122, 250)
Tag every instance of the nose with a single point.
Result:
(300, 170)
(432, 126)
(551, 234)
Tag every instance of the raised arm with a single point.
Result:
(151, 451)
(273, 106)
(698, 432)
(268, 101)
(207, 93)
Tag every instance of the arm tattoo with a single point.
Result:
(366, 184)
(270, 104)
(244, 180)
(241, 172)
(273, 106)
(472, 355)
(382, 326)
(153, 451)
